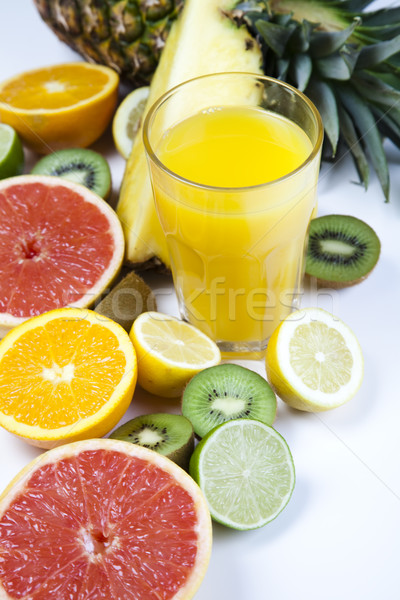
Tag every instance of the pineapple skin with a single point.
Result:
(208, 42)
(126, 35)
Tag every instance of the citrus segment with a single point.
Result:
(103, 519)
(245, 470)
(11, 152)
(65, 375)
(314, 361)
(60, 106)
(60, 245)
(127, 120)
(169, 353)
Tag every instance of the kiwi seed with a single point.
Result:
(226, 392)
(170, 435)
(127, 300)
(79, 165)
(342, 250)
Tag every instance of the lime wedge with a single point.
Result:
(245, 470)
(127, 120)
(11, 152)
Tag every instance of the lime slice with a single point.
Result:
(246, 472)
(127, 120)
(11, 152)
(314, 361)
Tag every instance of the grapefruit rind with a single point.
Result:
(99, 423)
(8, 321)
(203, 529)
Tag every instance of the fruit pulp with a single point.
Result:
(103, 519)
(235, 224)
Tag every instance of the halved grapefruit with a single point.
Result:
(60, 245)
(103, 519)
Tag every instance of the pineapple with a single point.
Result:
(347, 60)
(127, 35)
(204, 39)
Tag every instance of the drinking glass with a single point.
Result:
(237, 251)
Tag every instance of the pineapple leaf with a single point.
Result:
(376, 53)
(275, 36)
(325, 43)
(338, 66)
(355, 6)
(387, 126)
(353, 141)
(301, 69)
(376, 91)
(373, 35)
(365, 123)
(323, 97)
(300, 39)
(382, 17)
(282, 66)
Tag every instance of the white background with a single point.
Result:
(339, 537)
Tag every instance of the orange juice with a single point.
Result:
(235, 224)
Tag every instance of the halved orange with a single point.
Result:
(103, 519)
(66, 375)
(60, 106)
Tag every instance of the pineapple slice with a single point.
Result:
(203, 40)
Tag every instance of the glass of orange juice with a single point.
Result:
(234, 161)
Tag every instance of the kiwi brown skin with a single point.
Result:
(351, 231)
(127, 300)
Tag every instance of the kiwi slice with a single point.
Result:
(342, 250)
(127, 300)
(226, 392)
(79, 165)
(170, 435)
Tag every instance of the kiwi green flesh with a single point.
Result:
(169, 435)
(78, 165)
(342, 250)
(226, 392)
(127, 300)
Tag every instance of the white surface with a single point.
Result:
(339, 537)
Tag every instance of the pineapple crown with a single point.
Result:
(346, 61)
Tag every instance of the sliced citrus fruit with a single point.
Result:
(66, 375)
(127, 119)
(60, 245)
(314, 361)
(103, 519)
(246, 472)
(11, 152)
(169, 353)
(61, 106)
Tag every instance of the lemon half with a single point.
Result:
(314, 361)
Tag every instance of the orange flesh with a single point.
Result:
(53, 88)
(70, 368)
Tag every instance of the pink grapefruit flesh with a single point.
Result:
(103, 519)
(60, 245)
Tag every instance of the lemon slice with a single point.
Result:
(127, 120)
(314, 361)
(169, 353)
(11, 152)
